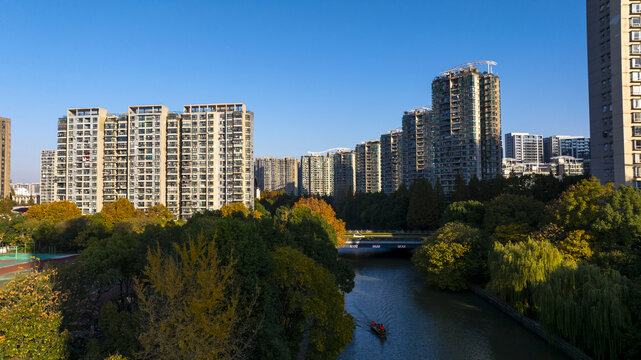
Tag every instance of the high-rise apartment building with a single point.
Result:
(614, 79)
(5, 158)
(524, 147)
(192, 161)
(47, 176)
(344, 173)
(316, 175)
(391, 162)
(466, 125)
(367, 157)
(417, 151)
(560, 145)
(277, 174)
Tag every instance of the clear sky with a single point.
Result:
(317, 74)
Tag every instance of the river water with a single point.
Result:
(425, 323)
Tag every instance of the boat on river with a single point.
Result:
(379, 329)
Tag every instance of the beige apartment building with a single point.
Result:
(344, 173)
(614, 79)
(5, 158)
(316, 175)
(391, 162)
(275, 174)
(368, 166)
(466, 125)
(192, 161)
(47, 176)
(417, 151)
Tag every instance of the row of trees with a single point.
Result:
(422, 206)
(227, 284)
(571, 262)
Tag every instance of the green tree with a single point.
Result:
(449, 256)
(579, 206)
(311, 307)
(120, 330)
(313, 236)
(509, 209)
(461, 191)
(470, 212)
(516, 269)
(190, 307)
(576, 246)
(30, 318)
(587, 307)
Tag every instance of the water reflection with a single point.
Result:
(424, 323)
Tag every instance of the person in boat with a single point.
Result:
(382, 328)
(373, 323)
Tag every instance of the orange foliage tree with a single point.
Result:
(116, 211)
(326, 212)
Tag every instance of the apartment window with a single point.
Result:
(636, 144)
(636, 117)
(635, 49)
(637, 172)
(636, 158)
(636, 62)
(635, 35)
(636, 104)
(635, 8)
(636, 89)
(636, 76)
(635, 21)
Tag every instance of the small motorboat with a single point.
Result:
(379, 329)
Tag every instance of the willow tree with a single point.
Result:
(586, 306)
(516, 269)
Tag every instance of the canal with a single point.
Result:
(425, 323)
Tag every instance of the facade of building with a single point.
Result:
(614, 79)
(466, 125)
(560, 145)
(192, 161)
(367, 157)
(316, 175)
(416, 149)
(344, 173)
(391, 162)
(47, 176)
(524, 147)
(275, 174)
(5, 158)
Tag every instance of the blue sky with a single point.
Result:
(317, 74)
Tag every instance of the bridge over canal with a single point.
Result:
(384, 240)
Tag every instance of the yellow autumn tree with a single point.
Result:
(326, 211)
(116, 211)
(160, 211)
(190, 308)
(229, 209)
(30, 318)
(55, 211)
